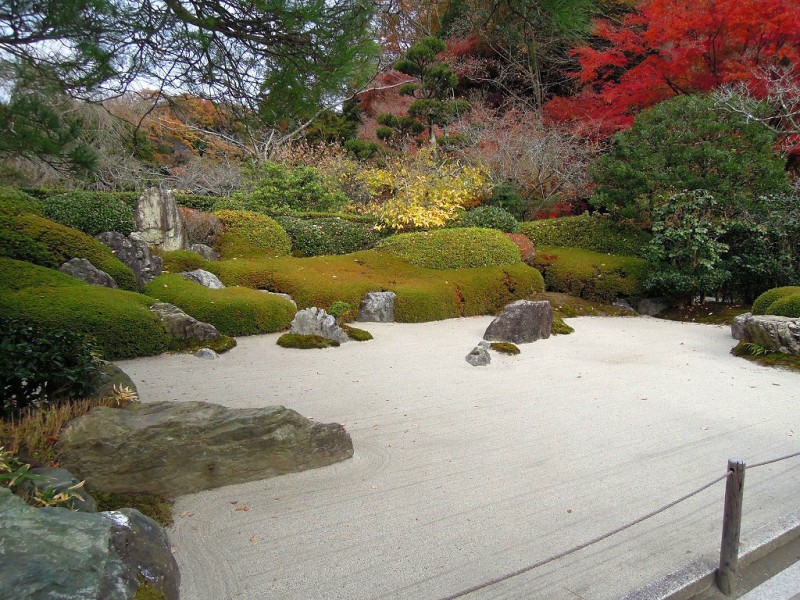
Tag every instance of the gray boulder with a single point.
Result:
(50, 479)
(206, 252)
(479, 355)
(160, 222)
(622, 303)
(650, 307)
(174, 448)
(204, 278)
(134, 252)
(182, 326)
(55, 553)
(286, 297)
(110, 376)
(779, 334)
(739, 324)
(315, 321)
(82, 269)
(521, 322)
(377, 307)
(206, 353)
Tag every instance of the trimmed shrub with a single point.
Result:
(250, 234)
(505, 196)
(233, 311)
(276, 186)
(91, 212)
(201, 227)
(43, 364)
(489, 217)
(38, 240)
(315, 237)
(453, 248)
(196, 202)
(119, 321)
(305, 342)
(179, 261)
(590, 275)
(778, 301)
(15, 202)
(588, 233)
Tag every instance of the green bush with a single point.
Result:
(233, 311)
(305, 342)
(119, 321)
(315, 237)
(590, 275)
(505, 196)
(588, 233)
(250, 234)
(15, 202)
(490, 217)
(275, 186)
(38, 240)
(204, 203)
(91, 212)
(778, 301)
(453, 248)
(44, 364)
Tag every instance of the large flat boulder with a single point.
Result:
(522, 322)
(779, 334)
(182, 326)
(316, 321)
(174, 448)
(55, 553)
(82, 269)
(160, 221)
(204, 278)
(135, 253)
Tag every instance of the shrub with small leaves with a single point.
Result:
(317, 237)
(40, 364)
(276, 186)
(91, 212)
(249, 234)
(490, 217)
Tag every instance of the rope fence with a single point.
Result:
(600, 538)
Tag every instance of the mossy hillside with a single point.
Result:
(778, 301)
(591, 275)
(460, 248)
(422, 294)
(251, 235)
(233, 311)
(50, 244)
(15, 202)
(588, 233)
(120, 321)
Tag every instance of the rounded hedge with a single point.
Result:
(119, 321)
(490, 217)
(453, 248)
(316, 237)
(588, 233)
(15, 202)
(38, 240)
(91, 212)
(251, 235)
(783, 301)
(233, 311)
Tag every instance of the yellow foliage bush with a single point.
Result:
(420, 192)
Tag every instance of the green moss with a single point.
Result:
(356, 334)
(453, 248)
(572, 306)
(590, 275)
(154, 506)
(50, 244)
(251, 235)
(220, 345)
(588, 233)
(505, 348)
(305, 342)
(146, 591)
(16, 202)
(560, 327)
(120, 321)
(780, 299)
(768, 359)
(179, 261)
(710, 313)
(233, 311)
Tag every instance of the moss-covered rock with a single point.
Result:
(460, 248)
(233, 311)
(505, 348)
(251, 235)
(305, 342)
(590, 275)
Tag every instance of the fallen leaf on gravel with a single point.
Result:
(241, 509)
(373, 487)
(186, 513)
(253, 538)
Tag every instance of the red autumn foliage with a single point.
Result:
(524, 244)
(671, 47)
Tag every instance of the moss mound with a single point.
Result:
(154, 506)
(233, 311)
(461, 248)
(505, 348)
(783, 301)
(251, 235)
(588, 233)
(305, 342)
(15, 202)
(560, 327)
(120, 321)
(590, 275)
(179, 261)
(356, 334)
(35, 239)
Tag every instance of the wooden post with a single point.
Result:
(731, 527)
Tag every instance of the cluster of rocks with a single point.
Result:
(520, 322)
(775, 333)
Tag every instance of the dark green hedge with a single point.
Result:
(588, 233)
(233, 311)
(91, 212)
(490, 217)
(315, 237)
(590, 275)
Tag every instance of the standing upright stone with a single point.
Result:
(377, 307)
(521, 322)
(160, 222)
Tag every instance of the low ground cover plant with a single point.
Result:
(250, 234)
(489, 217)
(305, 342)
